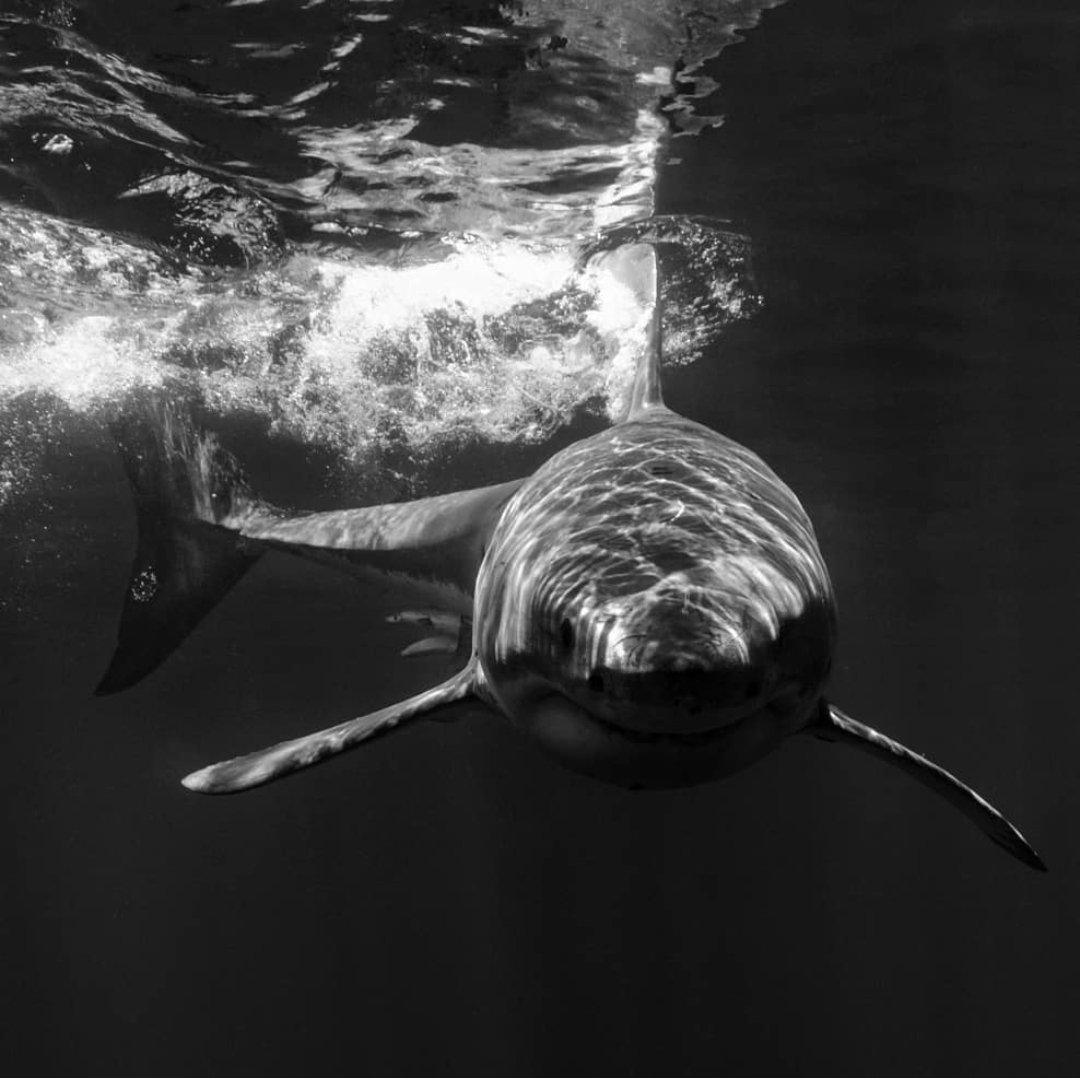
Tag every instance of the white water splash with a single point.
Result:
(497, 340)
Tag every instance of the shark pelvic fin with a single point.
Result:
(431, 645)
(257, 768)
(452, 633)
(834, 725)
(183, 485)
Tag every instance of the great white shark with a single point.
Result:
(650, 606)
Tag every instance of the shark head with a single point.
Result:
(676, 684)
(667, 624)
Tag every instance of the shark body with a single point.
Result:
(650, 606)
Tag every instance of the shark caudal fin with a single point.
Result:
(834, 725)
(184, 484)
(257, 768)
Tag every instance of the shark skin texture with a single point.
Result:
(650, 606)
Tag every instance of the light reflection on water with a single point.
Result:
(369, 235)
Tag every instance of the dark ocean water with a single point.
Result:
(352, 236)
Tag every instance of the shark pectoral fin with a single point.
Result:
(257, 768)
(834, 725)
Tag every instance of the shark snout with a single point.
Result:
(680, 697)
(683, 667)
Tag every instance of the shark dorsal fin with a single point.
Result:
(638, 268)
(646, 394)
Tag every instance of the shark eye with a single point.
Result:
(595, 682)
(566, 634)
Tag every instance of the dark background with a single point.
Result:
(447, 902)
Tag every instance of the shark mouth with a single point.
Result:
(669, 738)
(639, 759)
(560, 710)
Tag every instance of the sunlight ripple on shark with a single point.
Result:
(650, 606)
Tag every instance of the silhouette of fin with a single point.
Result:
(257, 768)
(183, 485)
(442, 621)
(834, 725)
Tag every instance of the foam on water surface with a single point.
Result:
(500, 341)
(361, 251)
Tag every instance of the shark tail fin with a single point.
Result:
(257, 768)
(834, 725)
(185, 485)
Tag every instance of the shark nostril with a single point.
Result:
(566, 634)
(596, 681)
